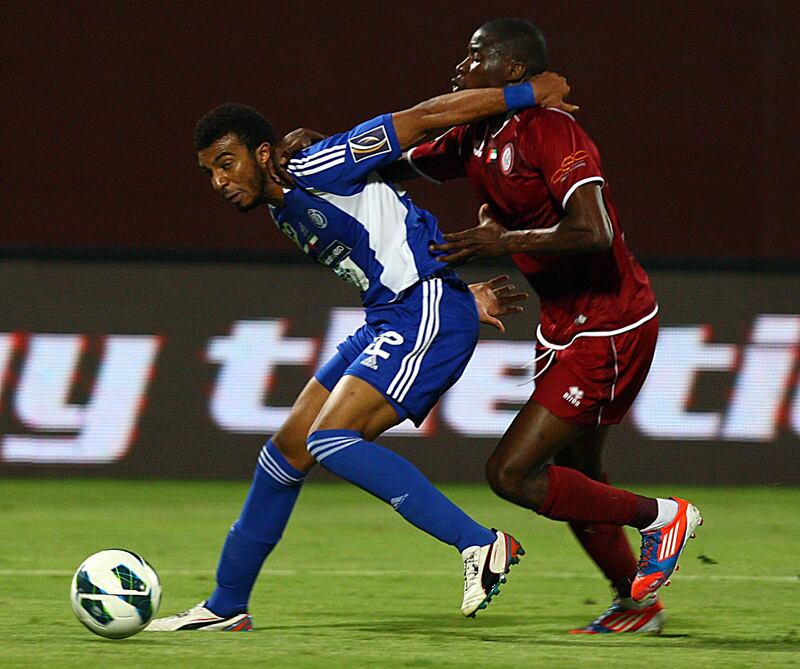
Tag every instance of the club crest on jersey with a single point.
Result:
(507, 158)
(317, 218)
(371, 143)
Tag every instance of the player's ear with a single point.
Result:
(515, 71)
(263, 153)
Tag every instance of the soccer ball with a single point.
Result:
(115, 593)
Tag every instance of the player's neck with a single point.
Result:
(274, 194)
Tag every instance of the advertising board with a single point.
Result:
(182, 370)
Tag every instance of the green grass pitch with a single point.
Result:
(352, 585)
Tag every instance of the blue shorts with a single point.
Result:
(413, 349)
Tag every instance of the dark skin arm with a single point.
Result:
(444, 111)
(413, 125)
(585, 228)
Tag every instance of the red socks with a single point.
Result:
(574, 497)
(608, 547)
(596, 511)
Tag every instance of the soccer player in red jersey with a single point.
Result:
(550, 209)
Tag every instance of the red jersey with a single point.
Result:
(527, 170)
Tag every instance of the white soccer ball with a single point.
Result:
(115, 593)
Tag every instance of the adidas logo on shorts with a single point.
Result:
(371, 362)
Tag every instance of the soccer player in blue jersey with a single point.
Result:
(421, 329)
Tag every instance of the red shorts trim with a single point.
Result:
(595, 380)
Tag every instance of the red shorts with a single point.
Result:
(595, 380)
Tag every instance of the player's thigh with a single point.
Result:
(290, 439)
(419, 348)
(534, 436)
(569, 397)
(585, 453)
(356, 405)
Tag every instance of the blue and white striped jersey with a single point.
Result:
(348, 218)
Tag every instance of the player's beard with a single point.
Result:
(258, 186)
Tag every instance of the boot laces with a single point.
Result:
(649, 544)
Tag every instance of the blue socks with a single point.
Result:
(396, 481)
(276, 485)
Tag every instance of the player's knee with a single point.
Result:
(515, 483)
(502, 478)
(292, 446)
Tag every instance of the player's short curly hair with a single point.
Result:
(521, 40)
(248, 124)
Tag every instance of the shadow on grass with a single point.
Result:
(511, 629)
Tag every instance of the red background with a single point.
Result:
(690, 103)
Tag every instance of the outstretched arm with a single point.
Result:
(412, 125)
(427, 118)
(585, 228)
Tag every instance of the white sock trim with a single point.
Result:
(667, 510)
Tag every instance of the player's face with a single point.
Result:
(483, 67)
(234, 172)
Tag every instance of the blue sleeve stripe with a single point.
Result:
(313, 169)
(317, 154)
(319, 163)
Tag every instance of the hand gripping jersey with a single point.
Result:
(346, 217)
(527, 170)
